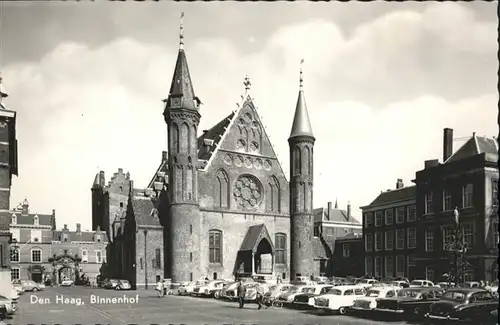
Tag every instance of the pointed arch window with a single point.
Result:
(307, 163)
(273, 195)
(222, 189)
(175, 138)
(189, 183)
(193, 140)
(296, 161)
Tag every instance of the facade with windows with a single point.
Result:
(346, 255)
(35, 243)
(466, 180)
(390, 233)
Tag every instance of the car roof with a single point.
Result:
(467, 290)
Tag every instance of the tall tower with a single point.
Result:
(182, 117)
(301, 143)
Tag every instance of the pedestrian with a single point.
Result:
(241, 291)
(278, 280)
(159, 288)
(259, 296)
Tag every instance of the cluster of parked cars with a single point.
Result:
(418, 299)
(9, 305)
(115, 284)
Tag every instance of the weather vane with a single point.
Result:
(301, 77)
(181, 32)
(247, 83)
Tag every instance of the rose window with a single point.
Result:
(247, 192)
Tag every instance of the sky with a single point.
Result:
(381, 82)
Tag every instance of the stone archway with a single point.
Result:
(65, 266)
(256, 254)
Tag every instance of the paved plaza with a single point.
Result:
(150, 309)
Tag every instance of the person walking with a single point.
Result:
(241, 291)
(159, 288)
(260, 296)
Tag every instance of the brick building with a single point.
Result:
(222, 198)
(346, 259)
(329, 224)
(390, 233)
(8, 167)
(39, 250)
(468, 180)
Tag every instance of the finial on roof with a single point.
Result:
(181, 32)
(247, 83)
(473, 134)
(301, 76)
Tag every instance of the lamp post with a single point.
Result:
(457, 249)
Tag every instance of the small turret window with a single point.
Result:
(14, 219)
(35, 219)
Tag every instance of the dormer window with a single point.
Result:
(14, 219)
(35, 219)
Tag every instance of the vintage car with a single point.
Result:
(208, 289)
(111, 283)
(494, 288)
(321, 280)
(229, 290)
(401, 284)
(373, 294)
(18, 287)
(410, 301)
(445, 285)
(339, 299)
(306, 299)
(30, 285)
(464, 304)
(289, 296)
(67, 283)
(421, 283)
(366, 283)
(277, 290)
(187, 288)
(10, 305)
(123, 285)
(470, 284)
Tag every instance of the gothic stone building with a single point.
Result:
(222, 199)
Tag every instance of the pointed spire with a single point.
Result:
(97, 181)
(181, 86)
(301, 124)
(336, 203)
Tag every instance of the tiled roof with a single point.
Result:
(144, 212)
(475, 146)
(339, 215)
(160, 175)
(319, 249)
(29, 219)
(349, 237)
(87, 236)
(254, 233)
(405, 193)
(205, 149)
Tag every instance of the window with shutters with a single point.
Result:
(215, 246)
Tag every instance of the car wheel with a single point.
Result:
(217, 295)
(35, 289)
(342, 310)
(117, 288)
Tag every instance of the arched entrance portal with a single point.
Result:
(65, 266)
(256, 254)
(36, 272)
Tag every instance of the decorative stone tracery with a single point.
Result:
(247, 192)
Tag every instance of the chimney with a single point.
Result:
(164, 156)
(329, 210)
(78, 228)
(120, 170)
(65, 227)
(399, 184)
(447, 143)
(102, 179)
(349, 210)
(431, 163)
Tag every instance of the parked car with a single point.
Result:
(401, 284)
(111, 283)
(289, 296)
(464, 304)
(445, 285)
(229, 290)
(410, 301)
(366, 283)
(67, 283)
(18, 286)
(339, 299)
(277, 290)
(471, 284)
(321, 280)
(251, 293)
(30, 285)
(306, 299)
(10, 305)
(494, 288)
(208, 289)
(421, 283)
(369, 301)
(123, 285)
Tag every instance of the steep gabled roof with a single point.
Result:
(213, 136)
(338, 215)
(29, 219)
(86, 236)
(161, 172)
(474, 146)
(402, 194)
(144, 211)
(253, 237)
